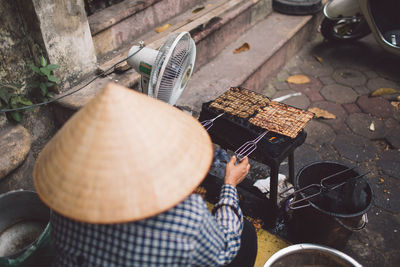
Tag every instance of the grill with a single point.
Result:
(248, 114)
(244, 104)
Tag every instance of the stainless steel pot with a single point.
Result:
(23, 220)
(310, 255)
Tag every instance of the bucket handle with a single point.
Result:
(364, 221)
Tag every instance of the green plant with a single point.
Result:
(44, 77)
(10, 99)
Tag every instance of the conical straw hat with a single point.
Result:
(123, 157)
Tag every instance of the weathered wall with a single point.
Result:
(17, 47)
(67, 38)
(21, 44)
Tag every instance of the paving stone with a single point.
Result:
(360, 248)
(386, 189)
(319, 134)
(385, 67)
(370, 74)
(339, 94)
(351, 108)
(389, 162)
(15, 143)
(370, 169)
(334, 108)
(355, 147)
(362, 90)
(338, 123)
(376, 83)
(360, 124)
(294, 70)
(393, 137)
(315, 68)
(310, 89)
(393, 258)
(387, 225)
(280, 85)
(368, 245)
(340, 127)
(282, 75)
(349, 77)
(269, 91)
(328, 153)
(327, 80)
(391, 123)
(300, 101)
(304, 155)
(381, 145)
(376, 106)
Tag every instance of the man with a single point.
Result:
(119, 176)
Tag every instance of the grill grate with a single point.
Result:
(260, 111)
(240, 102)
(281, 118)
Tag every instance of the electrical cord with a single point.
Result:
(102, 74)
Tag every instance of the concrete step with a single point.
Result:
(272, 42)
(121, 23)
(212, 28)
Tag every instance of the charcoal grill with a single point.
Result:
(231, 131)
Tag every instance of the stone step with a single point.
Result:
(272, 42)
(15, 143)
(118, 24)
(212, 28)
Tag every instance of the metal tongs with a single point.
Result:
(209, 123)
(248, 147)
(322, 187)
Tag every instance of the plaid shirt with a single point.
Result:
(186, 235)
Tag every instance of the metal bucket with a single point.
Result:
(24, 226)
(310, 255)
(330, 218)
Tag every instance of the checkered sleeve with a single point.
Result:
(218, 240)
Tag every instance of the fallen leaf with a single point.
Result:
(321, 113)
(319, 59)
(298, 79)
(395, 104)
(163, 28)
(197, 10)
(372, 126)
(242, 48)
(383, 91)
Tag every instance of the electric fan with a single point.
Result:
(166, 72)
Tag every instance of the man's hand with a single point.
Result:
(234, 174)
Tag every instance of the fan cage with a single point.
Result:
(176, 71)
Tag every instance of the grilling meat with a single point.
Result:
(281, 118)
(240, 102)
(262, 112)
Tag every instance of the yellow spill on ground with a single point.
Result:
(268, 244)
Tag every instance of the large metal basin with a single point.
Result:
(23, 220)
(310, 255)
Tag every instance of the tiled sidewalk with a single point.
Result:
(342, 78)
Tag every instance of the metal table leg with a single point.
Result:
(273, 185)
(291, 167)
